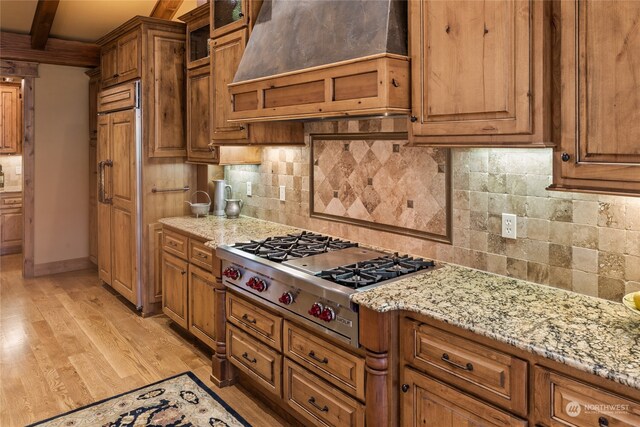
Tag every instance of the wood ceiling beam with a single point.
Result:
(59, 52)
(42, 22)
(166, 9)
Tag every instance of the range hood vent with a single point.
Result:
(324, 58)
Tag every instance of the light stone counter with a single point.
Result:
(594, 335)
(219, 230)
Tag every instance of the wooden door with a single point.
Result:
(165, 94)
(175, 288)
(128, 52)
(202, 305)
(198, 112)
(10, 230)
(430, 403)
(104, 209)
(471, 67)
(124, 235)
(230, 15)
(600, 98)
(109, 64)
(226, 53)
(10, 118)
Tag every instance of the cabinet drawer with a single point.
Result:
(203, 256)
(317, 401)
(341, 368)
(175, 243)
(255, 359)
(494, 376)
(562, 401)
(427, 402)
(10, 202)
(260, 323)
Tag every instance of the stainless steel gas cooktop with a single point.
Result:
(311, 277)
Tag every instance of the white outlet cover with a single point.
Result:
(249, 188)
(18, 169)
(509, 225)
(282, 193)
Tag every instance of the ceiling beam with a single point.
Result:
(166, 9)
(59, 52)
(42, 22)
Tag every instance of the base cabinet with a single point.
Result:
(430, 403)
(10, 223)
(191, 287)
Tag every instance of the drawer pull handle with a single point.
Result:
(312, 401)
(603, 422)
(201, 255)
(468, 367)
(172, 243)
(405, 388)
(246, 318)
(312, 355)
(245, 355)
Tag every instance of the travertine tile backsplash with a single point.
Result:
(9, 163)
(584, 242)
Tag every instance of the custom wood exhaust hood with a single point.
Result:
(311, 59)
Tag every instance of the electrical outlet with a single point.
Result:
(18, 169)
(282, 193)
(249, 189)
(509, 225)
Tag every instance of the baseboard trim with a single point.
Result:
(63, 266)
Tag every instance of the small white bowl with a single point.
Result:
(627, 300)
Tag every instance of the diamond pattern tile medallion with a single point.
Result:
(382, 182)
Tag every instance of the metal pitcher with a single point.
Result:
(233, 208)
(219, 191)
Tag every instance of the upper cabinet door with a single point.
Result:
(226, 53)
(600, 99)
(129, 56)
(473, 75)
(10, 118)
(109, 64)
(229, 15)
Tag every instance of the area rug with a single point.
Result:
(179, 401)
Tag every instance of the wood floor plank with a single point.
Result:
(67, 341)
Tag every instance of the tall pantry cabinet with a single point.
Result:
(141, 146)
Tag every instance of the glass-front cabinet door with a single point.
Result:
(228, 15)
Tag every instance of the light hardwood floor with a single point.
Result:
(67, 341)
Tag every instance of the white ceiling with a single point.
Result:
(84, 20)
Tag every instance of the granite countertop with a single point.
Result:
(591, 334)
(219, 230)
(11, 189)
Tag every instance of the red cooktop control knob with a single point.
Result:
(232, 273)
(257, 284)
(316, 309)
(327, 314)
(286, 298)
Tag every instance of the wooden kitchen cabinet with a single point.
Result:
(175, 289)
(10, 118)
(120, 60)
(230, 15)
(430, 403)
(600, 97)
(480, 73)
(557, 395)
(226, 52)
(10, 223)
(202, 305)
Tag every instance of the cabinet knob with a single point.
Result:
(414, 119)
(242, 127)
(183, 272)
(565, 157)
(395, 83)
(241, 14)
(405, 388)
(603, 422)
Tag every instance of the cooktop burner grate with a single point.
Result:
(291, 246)
(376, 270)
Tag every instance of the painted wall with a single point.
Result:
(587, 243)
(62, 169)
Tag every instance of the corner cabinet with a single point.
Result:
(199, 112)
(599, 149)
(480, 73)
